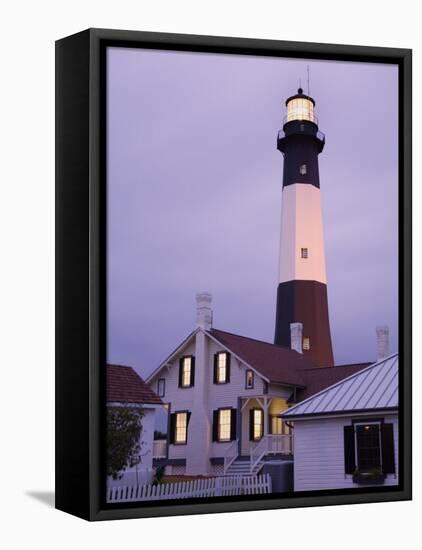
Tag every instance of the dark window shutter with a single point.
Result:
(349, 450)
(251, 415)
(188, 415)
(387, 448)
(180, 371)
(215, 425)
(172, 427)
(228, 367)
(192, 371)
(233, 421)
(270, 424)
(215, 367)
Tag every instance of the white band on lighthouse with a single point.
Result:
(302, 241)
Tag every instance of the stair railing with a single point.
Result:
(258, 452)
(230, 455)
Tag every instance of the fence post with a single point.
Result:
(218, 488)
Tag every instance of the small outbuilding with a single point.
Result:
(346, 436)
(125, 388)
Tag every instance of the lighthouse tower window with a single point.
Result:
(303, 170)
(304, 253)
(306, 344)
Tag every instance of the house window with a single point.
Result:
(249, 379)
(161, 387)
(222, 368)
(181, 428)
(369, 450)
(368, 446)
(304, 253)
(303, 170)
(276, 425)
(224, 424)
(257, 424)
(306, 345)
(186, 372)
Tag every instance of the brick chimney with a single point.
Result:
(203, 310)
(296, 336)
(383, 345)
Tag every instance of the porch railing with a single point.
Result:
(270, 444)
(231, 454)
(159, 448)
(282, 444)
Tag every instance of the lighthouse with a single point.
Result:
(302, 287)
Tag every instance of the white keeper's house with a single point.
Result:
(225, 395)
(346, 436)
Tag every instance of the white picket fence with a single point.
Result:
(210, 487)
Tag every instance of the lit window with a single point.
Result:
(186, 372)
(368, 446)
(276, 425)
(258, 424)
(249, 379)
(306, 344)
(161, 387)
(181, 428)
(304, 253)
(224, 424)
(221, 368)
(303, 169)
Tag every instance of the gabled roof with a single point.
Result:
(373, 388)
(276, 363)
(170, 357)
(124, 385)
(320, 378)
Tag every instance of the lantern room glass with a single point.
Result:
(300, 108)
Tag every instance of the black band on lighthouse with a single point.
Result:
(305, 302)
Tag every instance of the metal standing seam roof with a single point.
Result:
(375, 387)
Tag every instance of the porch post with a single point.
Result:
(239, 426)
(266, 406)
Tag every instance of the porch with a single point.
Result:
(262, 435)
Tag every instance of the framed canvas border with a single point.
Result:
(81, 269)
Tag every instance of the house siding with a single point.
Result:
(216, 396)
(319, 453)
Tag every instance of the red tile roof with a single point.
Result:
(278, 364)
(124, 385)
(284, 366)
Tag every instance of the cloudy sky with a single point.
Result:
(195, 187)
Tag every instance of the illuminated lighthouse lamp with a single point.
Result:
(300, 107)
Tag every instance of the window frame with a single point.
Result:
(255, 409)
(220, 410)
(303, 169)
(182, 359)
(177, 413)
(304, 253)
(246, 379)
(217, 367)
(368, 423)
(276, 417)
(163, 393)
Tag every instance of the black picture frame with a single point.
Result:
(81, 274)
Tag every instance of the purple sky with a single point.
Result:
(194, 197)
